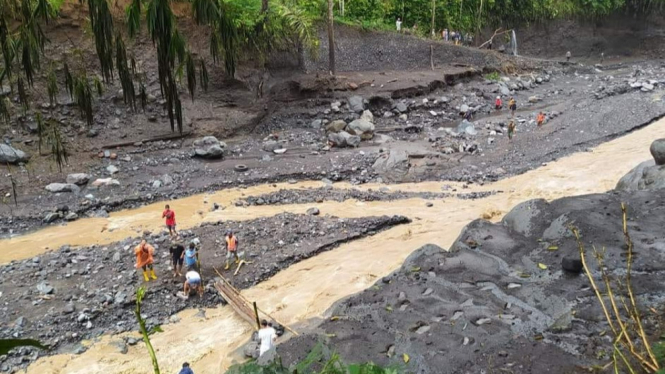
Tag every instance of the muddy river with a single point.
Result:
(306, 289)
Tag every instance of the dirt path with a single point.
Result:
(309, 288)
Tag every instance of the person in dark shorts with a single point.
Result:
(177, 251)
(191, 257)
(512, 105)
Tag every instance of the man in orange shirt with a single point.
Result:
(144, 260)
(231, 248)
(540, 119)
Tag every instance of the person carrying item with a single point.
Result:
(512, 105)
(267, 337)
(170, 219)
(540, 118)
(176, 251)
(511, 129)
(191, 257)
(144, 259)
(193, 282)
(231, 248)
(498, 104)
(186, 369)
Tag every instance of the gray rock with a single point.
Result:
(167, 180)
(316, 124)
(344, 139)
(271, 145)
(156, 184)
(362, 128)
(116, 257)
(392, 165)
(646, 87)
(209, 147)
(367, 116)
(92, 133)
(11, 155)
(45, 289)
(78, 178)
(572, 265)
(69, 308)
(534, 99)
(71, 216)
(522, 217)
(62, 187)
(112, 169)
(121, 346)
(313, 211)
(251, 349)
(657, 150)
(51, 217)
(132, 341)
(356, 104)
(336, 126)
(466, 127)
(401, 107)
(505, 91)
(268, 357)
(464, 108)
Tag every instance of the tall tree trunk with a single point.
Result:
(301, 57)
(331, 39)
(264, 6)
(433, 12)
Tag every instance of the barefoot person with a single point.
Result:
(231, 248)
(511, 129)
(193, 283)
(144, 260)
(267, 336)
(177, 253)
(170, 219)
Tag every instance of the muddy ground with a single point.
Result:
(70, 295)
(488, 306)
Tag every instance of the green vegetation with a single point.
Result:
(316, 362)
(493, 76)
(140, 294)
(7, 345)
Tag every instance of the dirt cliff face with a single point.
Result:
(618, 36)
(490, 304)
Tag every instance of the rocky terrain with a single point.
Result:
(66, 296)
(506, 297)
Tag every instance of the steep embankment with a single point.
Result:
(487, 304)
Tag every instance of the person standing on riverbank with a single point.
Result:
(170, 219)
(144, 259)
(176, 251)
(231, 248)
(512, 105)
(191, 258)
(398, 24)
(511, 129)
(267, 337)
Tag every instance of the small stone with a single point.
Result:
(313, 211)
(45, 289)
(572, 265)
(429, 204)
(112, 169)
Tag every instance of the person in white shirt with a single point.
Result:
(267, 337)
(193, 282)
(398, 24)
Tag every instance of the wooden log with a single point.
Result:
(149, 140)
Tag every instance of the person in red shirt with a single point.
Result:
(498, 104)
(170, 220)
(540, 119)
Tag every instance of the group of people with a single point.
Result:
(512, 105)
(189, 257)
(456, 37)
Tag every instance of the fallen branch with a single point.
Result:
(149, 140)
(496, 33)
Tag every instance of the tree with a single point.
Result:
(331, 39)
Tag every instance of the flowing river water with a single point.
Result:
(307, 289)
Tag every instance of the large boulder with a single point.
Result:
(343, 139)
(657, 150)
(466, 127)
(63, 187)
(392, 165)
(356, 104)
(336, 126)
(209, 147)
(362, 128)
(11, 155)
(78, 178)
